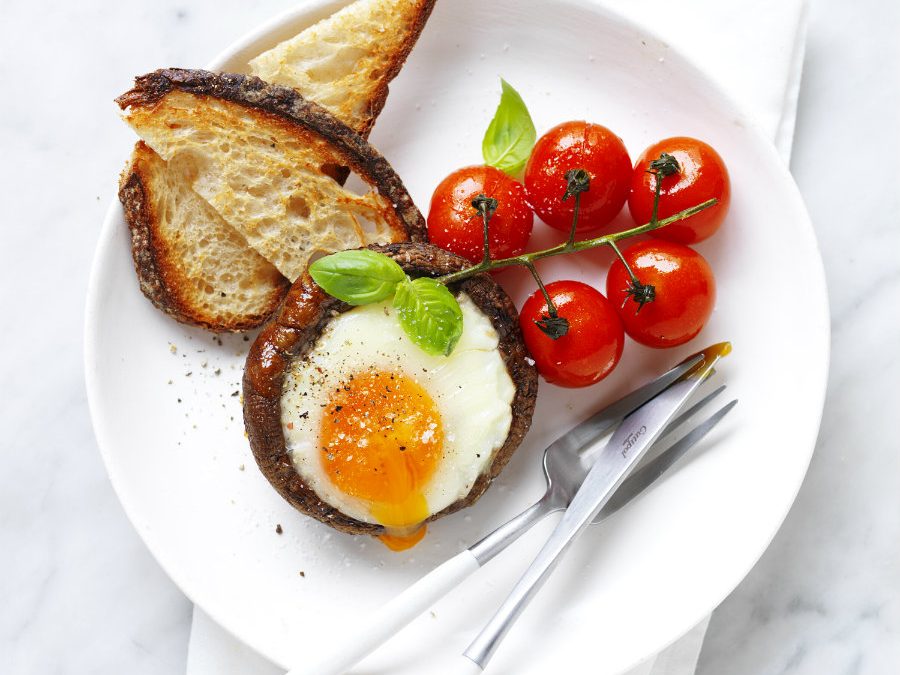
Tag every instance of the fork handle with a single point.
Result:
(384, 623)
(497, 541)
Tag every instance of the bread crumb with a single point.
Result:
(241, 467)
(172, 348)
(302, 574)
(278, 529)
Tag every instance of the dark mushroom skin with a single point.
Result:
(293, 332)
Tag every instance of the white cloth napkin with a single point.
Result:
(755, 52)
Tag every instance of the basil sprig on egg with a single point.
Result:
(428, 313)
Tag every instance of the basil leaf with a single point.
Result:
(511, 134)
(429, 314)
(358, 277)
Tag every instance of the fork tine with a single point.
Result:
(645, 476)
(600, 422)
(588, 451)
(690, 412)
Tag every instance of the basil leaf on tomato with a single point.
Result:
(511, 134)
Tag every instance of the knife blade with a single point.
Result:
(624, 449)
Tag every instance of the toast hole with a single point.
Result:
(371, 228)
(285, 172)
(336, 171)
(356, 184)
(297, 206)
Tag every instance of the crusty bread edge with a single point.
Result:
(295, 329)
(290, 108)
(155, 274)
(380, 99)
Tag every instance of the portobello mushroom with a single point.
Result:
(293, 332)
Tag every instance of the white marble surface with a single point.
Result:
(79, 592)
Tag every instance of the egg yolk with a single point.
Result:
(381, 441)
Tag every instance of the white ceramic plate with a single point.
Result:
(167, 414)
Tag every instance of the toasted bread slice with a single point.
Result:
(191, 264)
(260, 154)
(345, 62)
(361, 48)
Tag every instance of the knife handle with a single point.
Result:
(483, 647)
(463, 665)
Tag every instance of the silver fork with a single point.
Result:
(566, 462)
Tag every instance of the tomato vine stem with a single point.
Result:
(486, 207)
(525, 259)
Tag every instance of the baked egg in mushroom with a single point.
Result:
(357, 426)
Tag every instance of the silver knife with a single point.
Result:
(621, 454)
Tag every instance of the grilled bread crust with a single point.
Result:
(207, 276)
(347, 60)
(293, 332)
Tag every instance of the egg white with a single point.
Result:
(471, 388)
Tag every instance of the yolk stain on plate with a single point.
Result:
(381, 441)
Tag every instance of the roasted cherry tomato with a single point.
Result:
(578, 145)
(684, 292)
(455, 225)
(701, 175)
(590, 349)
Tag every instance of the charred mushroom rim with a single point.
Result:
(293, 332)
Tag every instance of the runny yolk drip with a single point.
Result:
(401, 542)
(381, 441)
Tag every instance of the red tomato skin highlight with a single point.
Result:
(454, 225)
(685, 293)
(578, 145)
(592, 347)
(703, 176)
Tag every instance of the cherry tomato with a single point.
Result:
(455, 225)
(685, 292)
(578, 145)
(702, 175)
(590, 349)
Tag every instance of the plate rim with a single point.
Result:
(114, 215)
